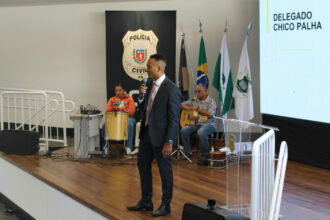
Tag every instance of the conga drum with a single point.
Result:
(116, 126)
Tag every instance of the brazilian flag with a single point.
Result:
(202, 73)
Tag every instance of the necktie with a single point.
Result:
(150, 101)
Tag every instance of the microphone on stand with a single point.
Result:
(117, 103)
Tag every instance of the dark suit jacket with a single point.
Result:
(164, 115)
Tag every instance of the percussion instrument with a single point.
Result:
(217, 159)
(217, 163)
(226, 160)
(116, 126)
(218, 155)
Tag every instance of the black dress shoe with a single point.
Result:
(141, 206)
(162, 210)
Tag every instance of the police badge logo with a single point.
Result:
(138, 46)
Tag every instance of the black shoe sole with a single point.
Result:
(142, 209)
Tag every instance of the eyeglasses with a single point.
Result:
(198, 91)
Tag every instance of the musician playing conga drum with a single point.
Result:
(123, 102)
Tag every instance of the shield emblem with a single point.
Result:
(242, 83)
(138, 46)
(139, 55)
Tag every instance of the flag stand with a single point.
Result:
(183, 63)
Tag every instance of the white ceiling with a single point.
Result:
(6, 3)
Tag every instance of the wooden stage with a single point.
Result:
(107, 186)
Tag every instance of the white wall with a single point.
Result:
(38, 198)
(62, 47)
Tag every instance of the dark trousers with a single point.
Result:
(146, 154)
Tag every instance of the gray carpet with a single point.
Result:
(4, 215)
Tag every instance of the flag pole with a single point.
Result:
(200, 27)
(231, 100)
(182, 38)
(190, 72)
(225, 31)
(201, 33)
(183, 35)
(249, 29)
(179, 149)
(226, 28)
(182, 30)
(202, 74)
(247, 36)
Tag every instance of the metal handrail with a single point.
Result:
(26, 93)
(63, 104)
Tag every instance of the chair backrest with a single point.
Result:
(134, 94)
(279, 182)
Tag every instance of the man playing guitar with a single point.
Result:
(205, 123)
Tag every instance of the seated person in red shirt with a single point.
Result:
(123, 102)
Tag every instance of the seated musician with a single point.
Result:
(123, 102)
(205, 124)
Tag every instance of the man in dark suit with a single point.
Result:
(159, 128)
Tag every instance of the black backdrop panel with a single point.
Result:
(308, 141)
(162, 23)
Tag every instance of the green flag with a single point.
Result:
(222, 78)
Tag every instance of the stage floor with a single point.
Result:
(108, 185)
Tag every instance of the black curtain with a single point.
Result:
(308, 141)
(162, 23)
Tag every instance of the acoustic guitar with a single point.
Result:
(189, 117)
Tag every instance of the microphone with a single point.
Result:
(144, 81)
(117, 102)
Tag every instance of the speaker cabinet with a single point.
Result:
(200, 211)
(19, 142)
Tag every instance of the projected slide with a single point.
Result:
(295, 59)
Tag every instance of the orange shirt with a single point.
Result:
(125, 104)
